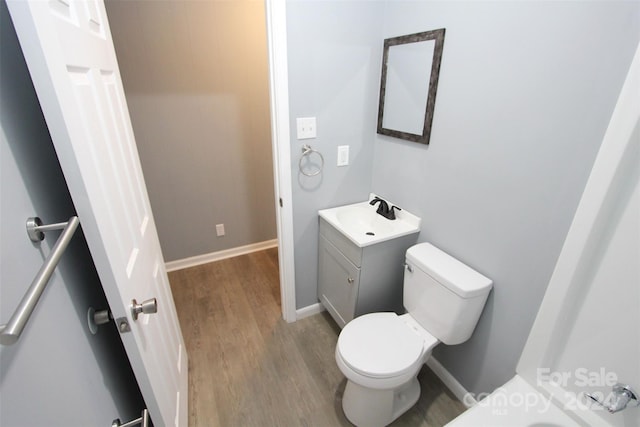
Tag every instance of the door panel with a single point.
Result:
(72, 62)
(338, 281)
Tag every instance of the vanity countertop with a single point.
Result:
(360, 223)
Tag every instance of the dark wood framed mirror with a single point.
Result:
(408, 86)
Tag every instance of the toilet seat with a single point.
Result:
(382, 345)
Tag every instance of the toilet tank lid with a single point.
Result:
(456, 276)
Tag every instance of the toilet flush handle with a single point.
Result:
(408, 267)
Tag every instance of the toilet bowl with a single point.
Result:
(381, 354)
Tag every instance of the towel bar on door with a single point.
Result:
(10, 332)
(143, 421)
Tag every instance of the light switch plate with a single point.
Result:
(343, 155)
(306, 127)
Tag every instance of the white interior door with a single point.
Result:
(68, 48)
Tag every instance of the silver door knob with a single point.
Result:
(147, 307)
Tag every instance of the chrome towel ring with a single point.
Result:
(307, 151)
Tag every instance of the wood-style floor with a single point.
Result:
(248, 367)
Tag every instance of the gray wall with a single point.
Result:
(57, 374)
(526, 92)
(334, 53)
(195, 75)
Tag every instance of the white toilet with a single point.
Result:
(382, 353)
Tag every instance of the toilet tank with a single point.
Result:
(443, 295)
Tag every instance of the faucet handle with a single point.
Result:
(622, 395)
(392, 214)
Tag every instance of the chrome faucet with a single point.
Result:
(383, 208)
(621, 396)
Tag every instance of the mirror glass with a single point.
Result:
(410, 68)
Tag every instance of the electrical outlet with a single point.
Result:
(220, 230)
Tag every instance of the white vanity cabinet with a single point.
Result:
(354, 280)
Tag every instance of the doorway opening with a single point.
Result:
(200, 80)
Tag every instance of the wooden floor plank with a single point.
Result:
(248, 367)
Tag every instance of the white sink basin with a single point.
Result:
(363, 226)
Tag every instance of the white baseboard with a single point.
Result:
(309, 310)
(451, 382)
(217, 256)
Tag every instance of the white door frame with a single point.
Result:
(279, 88)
